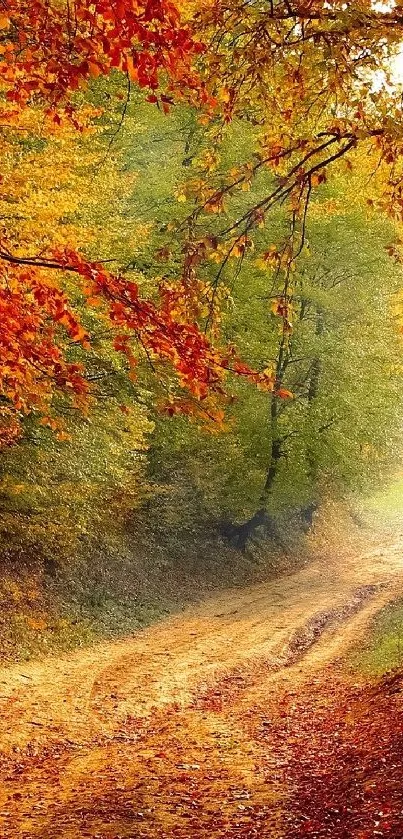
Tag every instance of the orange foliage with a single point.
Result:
(48, 51)
(51, 48)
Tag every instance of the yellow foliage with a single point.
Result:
(58, 191)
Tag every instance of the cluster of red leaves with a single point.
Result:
(36, 315)
(343, 760)
(50, 49)
(181, 343)
(161, 332)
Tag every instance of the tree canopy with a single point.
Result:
(315, 82)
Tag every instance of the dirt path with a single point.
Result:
(150, 737)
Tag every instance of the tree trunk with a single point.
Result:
(275, 451)
(240, 534)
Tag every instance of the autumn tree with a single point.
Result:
(48, 53)
(314, 81)
(318, 82)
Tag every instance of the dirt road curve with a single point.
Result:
(149, 737)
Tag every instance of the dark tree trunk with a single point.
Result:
(240, 534)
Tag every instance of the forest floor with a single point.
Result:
(237, 719)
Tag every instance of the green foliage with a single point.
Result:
(383, 650)
(345, 437)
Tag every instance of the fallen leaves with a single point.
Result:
(343, 760)
(332, 752)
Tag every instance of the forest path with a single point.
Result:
(150, 737)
